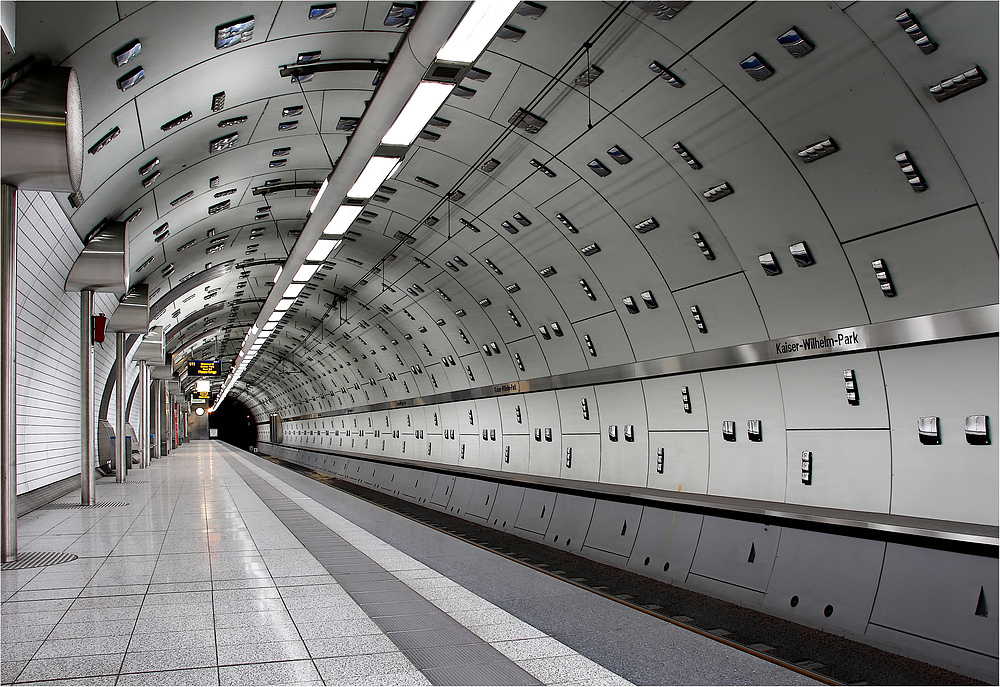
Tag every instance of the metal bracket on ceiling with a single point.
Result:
(299, 70)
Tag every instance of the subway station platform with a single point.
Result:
(214, 567)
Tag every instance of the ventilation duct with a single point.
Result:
(132, 314)
(42, 131)
(103, 263)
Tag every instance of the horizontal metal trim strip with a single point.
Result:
(970, 533)
(925, 329)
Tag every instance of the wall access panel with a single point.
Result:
(927, 261)
(608, 344)
(570, 520)
(534, 514)
(810, 95)
(624, 452)
(665, 405)
(815, 395)
(505, 507)
(481, 500)
(665, 544)
(965, 124)
(825, 580)
(513, 414)
(678, 461)
(729, 311)
(515, 453)
(734, 559)
(612, 532)
(954, 480)
(927, 596)
(850, 469)
(580, 457)
(577, 409)
(745, 468)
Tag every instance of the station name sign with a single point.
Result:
(204, 368)
(812, 344)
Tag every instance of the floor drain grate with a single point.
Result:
(68, 506)
(37, 559)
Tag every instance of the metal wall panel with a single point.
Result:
(571, 409)
(534, 361)
(667, 540)
(442, 491)
(940, 264)
(534, 514)
(515, 453)
(744, 468)
(541, 412)
(623, 461)
(583, 453)
(570, 520)
(490, 449)
(612, 532)
(685, 461)
(815, 395)
(481, 500)
(468, 450)
(851, 469)
(611, 344)
(664, 407)
(815, 573)
(506, 506)
(935, 594)
(509, 408)
(460, 495)
(740, 555)
(954, 480)
(729, 310)
(823, 94)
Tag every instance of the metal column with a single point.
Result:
(88, 496)
(144, 414)
(158, 417)
(121, 464)
(8, 435)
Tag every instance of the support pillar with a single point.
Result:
(158, 417)
(8, 424)
(88, 495)
(144, 414)
(121, 458)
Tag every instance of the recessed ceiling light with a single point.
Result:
(218, 101)
(400, 15)
(177, 121)
(104, 141)
(223, 143)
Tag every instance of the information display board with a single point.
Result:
(204, 368)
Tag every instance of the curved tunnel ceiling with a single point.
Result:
(663, 175)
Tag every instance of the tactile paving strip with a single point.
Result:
(444, 650)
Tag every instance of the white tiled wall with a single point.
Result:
(47, 354)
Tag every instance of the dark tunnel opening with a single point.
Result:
(235, 424)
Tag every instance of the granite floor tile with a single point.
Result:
(283, 673)
(190, 676)
(264, 652)
(69, 668)
(350, 646)
(347, 669)
(9, 670)
(87, 646)
(181, 640)
(170, 659)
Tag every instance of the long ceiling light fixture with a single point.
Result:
(467, 41)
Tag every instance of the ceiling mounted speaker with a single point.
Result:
(42, 131)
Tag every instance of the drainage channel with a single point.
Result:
(825, 657)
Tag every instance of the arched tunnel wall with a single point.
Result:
(596, 334)
(715, 290)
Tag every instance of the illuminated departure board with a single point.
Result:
(203, 368)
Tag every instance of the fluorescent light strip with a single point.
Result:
(321, 251)
(284, 304)
(342, 219)
(275, 317)
(269, 326)
(425, 101)
(319, 194)
(293, 291)
(376, 171)
(305, 273)
(477, 28)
